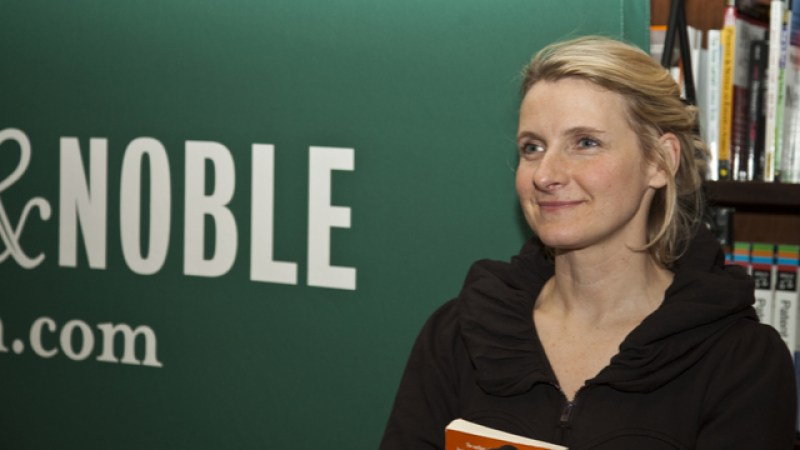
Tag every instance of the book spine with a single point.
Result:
(775, 32)
(787, 295)
(762, 263)
(748, 30)
(781, 106)
(797, 381)
(790, 151)
(712, 107)
(745, 160)
(741, 255)
(728, 41)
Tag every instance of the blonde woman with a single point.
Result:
(618, 326)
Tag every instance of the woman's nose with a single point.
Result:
(551, 171)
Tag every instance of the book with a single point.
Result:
(462, 434)
(781, 106)
(658, 34)
(748, 30)
(695, 36)
(740, 255)
(787, 295)
(728, 40)
(797, 380)
(762, 268)
(773, 126)
(747, 161)
(789, 158)
(709, 99)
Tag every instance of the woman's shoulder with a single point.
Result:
(748, 337)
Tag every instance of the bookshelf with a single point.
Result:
(763, 212)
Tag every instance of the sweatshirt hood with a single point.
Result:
(495, 306)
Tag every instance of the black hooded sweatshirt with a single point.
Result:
(700, 372)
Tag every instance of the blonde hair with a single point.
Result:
(654, 107)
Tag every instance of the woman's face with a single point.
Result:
(582, 180)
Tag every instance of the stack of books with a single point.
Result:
(748, 90)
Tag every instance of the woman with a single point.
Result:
(618, 327)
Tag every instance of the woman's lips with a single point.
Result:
(554, 205)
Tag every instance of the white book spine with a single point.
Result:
(773, 64)
(787, 297)
(790, 151)
(713, 86)
(764, 277)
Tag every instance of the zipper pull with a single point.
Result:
(566, 414)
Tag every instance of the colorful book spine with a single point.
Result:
(787, 296)
(741, 255)
(776, 29)
(728, 40)
(762, 265)
(781, 107)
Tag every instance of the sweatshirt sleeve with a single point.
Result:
(752, 401)
(426, 400)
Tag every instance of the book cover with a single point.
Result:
(748, 30)
(462, 434)
(787, 296)
(709, 96)
(797, 380)
(728, 40)
(741, 255)
(747, 161)
(774, 87)
(762, 266)
(789, 164)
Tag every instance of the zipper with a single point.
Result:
(567, 412)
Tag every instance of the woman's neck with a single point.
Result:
(605, 285)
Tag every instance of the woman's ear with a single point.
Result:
(670, 159)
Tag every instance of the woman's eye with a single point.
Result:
(529, 148)
(587, 143)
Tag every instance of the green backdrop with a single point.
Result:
(107, 99)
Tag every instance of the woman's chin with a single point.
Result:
(559, 241)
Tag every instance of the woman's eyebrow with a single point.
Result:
(574, 131)
(528, 134)
(580, 130)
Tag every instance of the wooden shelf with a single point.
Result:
(755, 196)
(763, 212)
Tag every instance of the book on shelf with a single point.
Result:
(462, 434)
(695, 36)
(762, 269)
(747, 161)
(748, 91)
(748, 31)
(728, 40)
(708, 95)
(740, 255)
(775, 96)
(788, 158)
(787, 295)
(775, 269)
